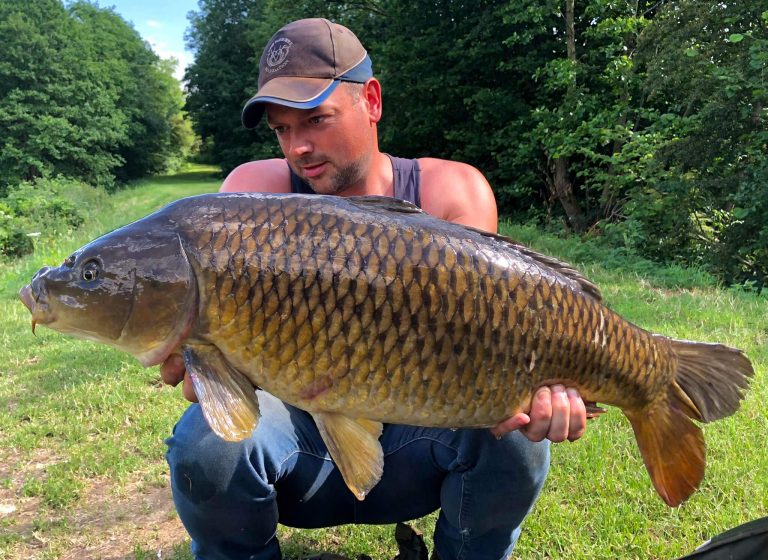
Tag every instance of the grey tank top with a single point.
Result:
(406, 174)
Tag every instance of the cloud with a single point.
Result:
(154, 24)
(163, 50)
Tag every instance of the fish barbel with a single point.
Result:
(365, 310)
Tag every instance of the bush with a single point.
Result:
(599, 250)
(13, 241)
(46, 207)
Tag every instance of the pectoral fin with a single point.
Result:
(354, 447)
(227, 397)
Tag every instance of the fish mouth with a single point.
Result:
(27, 298)
(36, 307)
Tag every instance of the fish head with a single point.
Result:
(132, 289)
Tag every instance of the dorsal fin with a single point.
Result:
(372, 202)
(561, 267)
(386, 203)
(564, 268)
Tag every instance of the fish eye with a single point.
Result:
(91, 270)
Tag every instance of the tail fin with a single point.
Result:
(709, 384)
(712, 376)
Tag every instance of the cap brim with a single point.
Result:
(299, 93)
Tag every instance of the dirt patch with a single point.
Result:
(114, 528)
(106, 524)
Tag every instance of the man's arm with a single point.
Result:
(266, 175)
(459, 193)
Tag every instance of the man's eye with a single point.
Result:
(316, 120)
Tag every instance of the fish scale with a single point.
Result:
(427, 255)
(366, 310)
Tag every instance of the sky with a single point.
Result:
(161, 23)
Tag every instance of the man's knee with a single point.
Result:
(529, 460)
(202, 465)
(523, 469)
(513, 451)
(507, 470)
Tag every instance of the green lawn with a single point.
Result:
(82, 473)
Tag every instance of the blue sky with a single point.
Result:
(160, 22)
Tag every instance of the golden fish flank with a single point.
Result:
(366, 310)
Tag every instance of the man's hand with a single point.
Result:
(556, 414)
(173, 372)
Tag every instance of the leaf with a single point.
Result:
(740, 213)
(691, 51)
(736, 38)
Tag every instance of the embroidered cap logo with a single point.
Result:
(277, 54)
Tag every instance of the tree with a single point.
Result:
(146, 91)
(55, 113)
(221, 78)
(706, 79)
(81, 95)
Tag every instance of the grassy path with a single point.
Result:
(82, 473)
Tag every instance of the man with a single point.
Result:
(319, 95)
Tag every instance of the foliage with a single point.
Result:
(643, 121)
(13, 241)
(43, 209)
(222, 77)
(55, 114)
(147, 93)
(707, 69)
(82, 95)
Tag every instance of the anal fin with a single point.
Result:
(672, 447)
(228, 399)
(354, 447)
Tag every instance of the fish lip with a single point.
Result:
(27, 298)
(36, 305)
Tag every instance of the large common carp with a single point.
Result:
(367, 310)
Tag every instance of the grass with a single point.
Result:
(82, 421)
(82, 473)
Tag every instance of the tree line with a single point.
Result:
(83, 101)
(643, 122)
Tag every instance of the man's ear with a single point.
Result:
(372, 96)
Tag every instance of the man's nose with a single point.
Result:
(300, 145)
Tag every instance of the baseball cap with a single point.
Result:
(302, 65)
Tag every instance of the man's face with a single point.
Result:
(330, 146)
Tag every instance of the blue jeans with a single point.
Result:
(231, 496)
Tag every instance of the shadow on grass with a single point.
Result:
(191, 174)
(302, 544)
